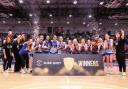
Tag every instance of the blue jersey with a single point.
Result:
(54, 44)
(47, 43)
(23, 50)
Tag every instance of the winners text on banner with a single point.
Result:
(67, 64)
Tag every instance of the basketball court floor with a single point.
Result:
(27, 81)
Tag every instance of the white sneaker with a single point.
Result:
(110, 71)
(7, 71)
(123, 74)
(27, 70)
(10, 70)
(107, 71)
(23, 71)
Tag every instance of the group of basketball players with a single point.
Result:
(22, 48)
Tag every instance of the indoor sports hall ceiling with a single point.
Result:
(55, 9)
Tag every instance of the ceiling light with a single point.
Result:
(51, 22)
(126, 4)
(48, 1)
(35, 22)
(75, 2)
(10, 14)
(4, 21)
(30, 15)
(19, 22)
(101, 3)
(116, 24)
(70, 15)
(100, 23)
(84, 23)
(89, 16)
(21, 1)
(50, 15)
(68, 22)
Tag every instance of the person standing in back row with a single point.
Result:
(17, 45)
(7, 53)
(120, 52)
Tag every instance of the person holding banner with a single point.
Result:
(36, 45)
(41, 40)
(46, 45)
(75, 47)
(89, 45)
(54, 43)
(61, 45)
(83, 46)
(68, 47)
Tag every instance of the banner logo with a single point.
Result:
(68, 63)
(39, 63)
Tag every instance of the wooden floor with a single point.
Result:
(26, 81)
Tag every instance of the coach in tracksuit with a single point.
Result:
(120, 52)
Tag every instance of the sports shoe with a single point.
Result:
(7, 71)
(107, 71)
(23, 71)
(123, 74)
(110, 71)
(27, 70)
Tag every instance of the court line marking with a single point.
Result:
(67, 79)
(69, 87)
(97, 85)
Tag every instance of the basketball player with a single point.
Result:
(30, 54)
(75, 47)
(69, 47)
(89, 45)
(41, 40)
(36, 45)
(61, 45)
(95, 46)
(54, 43)
(24, 57)
(109, 53)
(83, 46)
(102, 48)
(46, 45)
